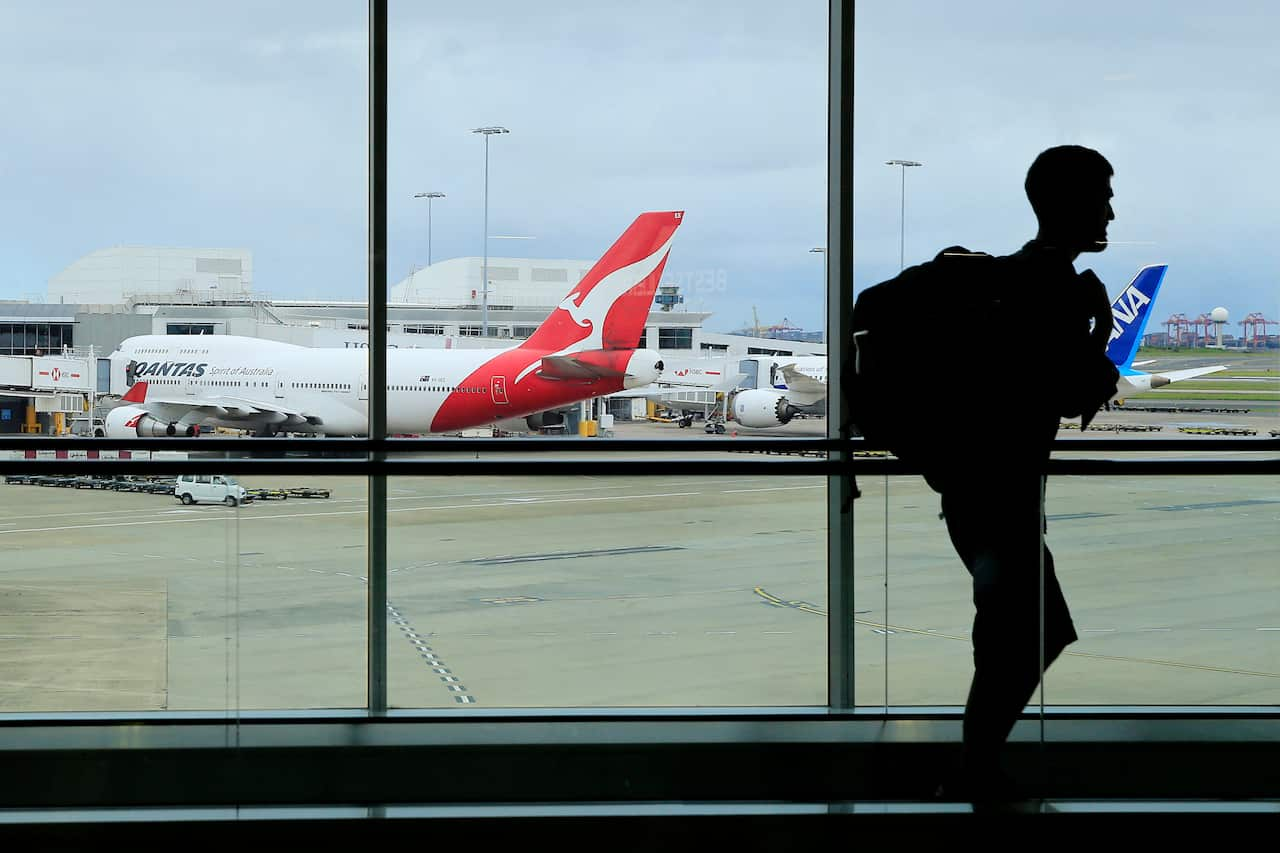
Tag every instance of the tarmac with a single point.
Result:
(609, 592)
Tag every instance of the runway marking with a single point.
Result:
(451, 682)
(810, 608)
(773, 489)
(1213, 505)
(568, 555)
(246, 517)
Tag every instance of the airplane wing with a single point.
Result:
(568, 367)
(180, 406)
(1179, 375)
(801, 384)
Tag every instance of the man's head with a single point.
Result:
(1069, 188)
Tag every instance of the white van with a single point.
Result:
(210, 488)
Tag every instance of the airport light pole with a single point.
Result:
(484, 269)
(902, 236)
(902, 264)
(822, 250)
(430, 197)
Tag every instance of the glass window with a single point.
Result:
(522, 592)
(675, 338)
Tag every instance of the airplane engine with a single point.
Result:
(542, 420)
(762, 409)
(132, 422)
(643, 368)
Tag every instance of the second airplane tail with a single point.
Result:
(1130, 313)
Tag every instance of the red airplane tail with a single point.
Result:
(608, 308)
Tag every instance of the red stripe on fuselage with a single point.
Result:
(462, 409)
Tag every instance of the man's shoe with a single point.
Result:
(991, 791)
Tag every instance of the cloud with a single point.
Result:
(165, 124)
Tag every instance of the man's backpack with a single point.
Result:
(922, 341)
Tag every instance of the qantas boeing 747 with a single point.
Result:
(587, 347)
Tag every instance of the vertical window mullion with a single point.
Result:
(839, 266)
(377, 417)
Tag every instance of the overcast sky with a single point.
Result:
(242, 124)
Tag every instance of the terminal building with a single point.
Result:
(113, 294)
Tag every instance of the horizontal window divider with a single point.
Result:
(443, 444)
(863, 467)
(393, 447)
(905, 724)
(482, 467)
(418, 467)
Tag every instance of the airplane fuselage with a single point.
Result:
(427, 390)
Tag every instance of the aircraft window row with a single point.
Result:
(322, 386)
(463, 389)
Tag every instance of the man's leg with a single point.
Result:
(1004, 560)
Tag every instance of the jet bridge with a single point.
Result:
(54, 385)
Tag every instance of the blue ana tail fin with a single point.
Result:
(1130, 313)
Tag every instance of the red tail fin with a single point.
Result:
(136, 394)
(608, 308)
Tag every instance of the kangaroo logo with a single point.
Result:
(578, 312)
(588, 310)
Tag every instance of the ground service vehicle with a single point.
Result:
(208, 488)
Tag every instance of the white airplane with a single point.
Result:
(179, 384)
(795, 384)
(1130, 313)
(804, 382)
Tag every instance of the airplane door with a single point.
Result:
(499, 385)
(279, 386)
(364, 387)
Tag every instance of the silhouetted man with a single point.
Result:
(993, 495)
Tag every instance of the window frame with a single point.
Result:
(378, 457)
